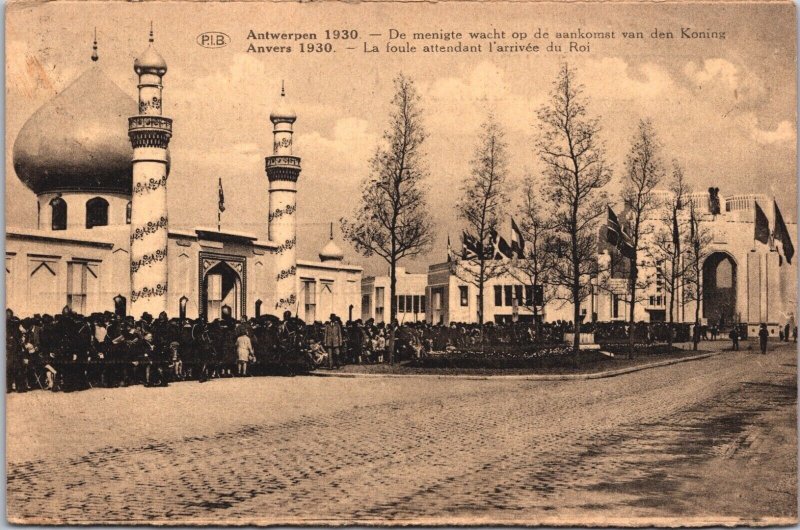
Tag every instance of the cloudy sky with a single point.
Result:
(724, 108)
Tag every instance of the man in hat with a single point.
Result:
(333, 341)
(763, 335)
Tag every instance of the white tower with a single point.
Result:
(149, 133)
(282, 172)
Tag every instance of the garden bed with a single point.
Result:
(475, 363)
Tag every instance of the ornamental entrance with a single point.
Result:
(222, 285)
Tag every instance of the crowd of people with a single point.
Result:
(69, 351)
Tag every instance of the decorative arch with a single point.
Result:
(719, 289)
(222, 281)
(58, 214)
(96, 212)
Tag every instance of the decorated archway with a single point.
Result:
(719, 289)
(222, 283)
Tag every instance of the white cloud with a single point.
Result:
(720, 78)
(783, 132)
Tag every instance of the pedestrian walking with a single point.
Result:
(763, 335)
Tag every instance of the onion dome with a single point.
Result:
(331, 252)
(78, 141)
(284, 112)
(150, 61)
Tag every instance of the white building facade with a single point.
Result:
(100, 174)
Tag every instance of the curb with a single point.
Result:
(523, 377)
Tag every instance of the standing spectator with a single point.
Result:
(176, 363)
(379, 345)
(734, 335)
(333, 341)
(763, 334)
(244, 351)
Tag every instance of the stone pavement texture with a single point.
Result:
(711, 441)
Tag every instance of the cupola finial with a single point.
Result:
(151, 32)
(94, 46)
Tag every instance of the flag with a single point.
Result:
(449, 259)
(782, 234)
(761, 226)
(504, 250)
(469, 246)
(517, 241)
(617, 237)
(498, 246)
(221, 205)
(694, 236)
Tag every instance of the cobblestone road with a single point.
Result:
(705, 441)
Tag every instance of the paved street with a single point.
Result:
(706, 441)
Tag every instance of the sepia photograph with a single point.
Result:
(401, 263)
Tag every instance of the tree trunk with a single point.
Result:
(671, 310)
(696, 337)
(481, 281)
(671, 305)
(576, 314)
(632, 318)
(392, 303)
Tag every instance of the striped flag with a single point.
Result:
(617, 237)
(517, 241)
(221, 205)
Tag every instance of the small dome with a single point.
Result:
(150, 62)
(78, 141)
(284, 112)
(331, 252)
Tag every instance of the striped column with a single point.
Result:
(149, 133)
(283, 169)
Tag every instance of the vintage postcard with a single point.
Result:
(401, 263)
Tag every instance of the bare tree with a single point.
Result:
(392, 218)
(644, 172)
(540, 251)
(576, 173)
(700, 239)
(670, 242)
(483, 200)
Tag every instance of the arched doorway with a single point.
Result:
(221, 286)
(719, 289)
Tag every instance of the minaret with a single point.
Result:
(149, 133)
(282, 172)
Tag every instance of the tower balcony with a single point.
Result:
(150, 131)
(283, 167)
(150, 123)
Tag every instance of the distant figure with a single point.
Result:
(763, 335)
(734, 335)
(333, 341)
